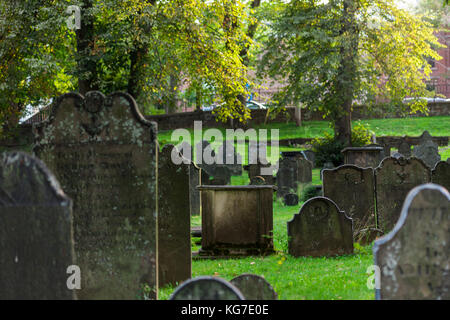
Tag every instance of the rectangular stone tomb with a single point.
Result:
(103, 152)
(236, 220)
(369, 156)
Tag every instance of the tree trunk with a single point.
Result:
(87, 66)
(347, 73)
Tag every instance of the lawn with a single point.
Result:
(343, 277)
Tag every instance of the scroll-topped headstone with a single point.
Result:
(103, 153)
(207, 288)
(254, 287)
(353, 190)
(441, 174)
(394, 178)
(414, 258)
(36, 243)
(320, 229)
(174, 219)
(427, 150)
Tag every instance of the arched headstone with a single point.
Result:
(206, 288)
(254, 287)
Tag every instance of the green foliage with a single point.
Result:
(309, 192)
(327, 149)
(361, 135)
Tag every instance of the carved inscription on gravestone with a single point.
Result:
(414, 259)
(394, 179)
(103, 152)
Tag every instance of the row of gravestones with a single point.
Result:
(411, 262)
(125, 222)
(373, 197)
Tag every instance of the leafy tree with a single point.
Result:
(332, 54)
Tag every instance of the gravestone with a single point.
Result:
(36, 242)
(257, 181)
(394, 178)
(104, 154)
(206, 288)
(304, 171)
(326, 165)
(427, 150)
(310, 155)
(414, 258)
(404, 149)
(174, 219)
(287, 176)
(320, 229)
(254, 287)
(353, 190)
(194, 194)
(255, 170)
(441, 174)
(290, 199)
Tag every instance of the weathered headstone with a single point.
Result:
(310, 155)
(207, 288)
(103, 153)
(326, 165)
(441, 174)
(304, 170)
(174, 219)
(427, 150)
(257, 181)
(290, 199)
(353, 190)
(36, 241)
(287, 176)
(320, 229)
(394, 178)
(254, 287)
(414, 258)
(404, 149)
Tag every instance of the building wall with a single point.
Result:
(441, 69)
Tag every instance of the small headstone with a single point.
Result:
(206, 288)
(104, 154)
(255, 170)
(290, 199)
(353, 189)
(304, 172)
(257, 181)
(320, 229)
(394, 178)
(441, 174)
(174, 219)
(254, 287)
(414, 257)
(287, 176)
(427, 150)
(36, 243)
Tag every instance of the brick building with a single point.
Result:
(440, 76)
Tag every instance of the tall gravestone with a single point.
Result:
(104, 154)
(427, 150)
(304, 171)
(287, 176)
(394, 178)
(320, 229)
(441, 174)
(353, 190)
(254, 287)
(414, 258)
(206, 288)
(174, 219)
(36, 240)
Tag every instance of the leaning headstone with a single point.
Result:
(427, 150)
(174, 219)
(206, 288)
(36, 243)
(441, 174)
(254, 287)
(353, 190)
(103, 153)
(320, 229)
(290, 199)
(414, 257)
(394, 178)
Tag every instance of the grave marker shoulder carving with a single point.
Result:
(414, 257)
(103, 152)
(36, 238)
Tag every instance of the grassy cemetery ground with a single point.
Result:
(343, 277)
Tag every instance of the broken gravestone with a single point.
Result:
(427, 150)
(413, 259)
(104, 154)
(36, 243)
(320, 229)
(206, 288)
